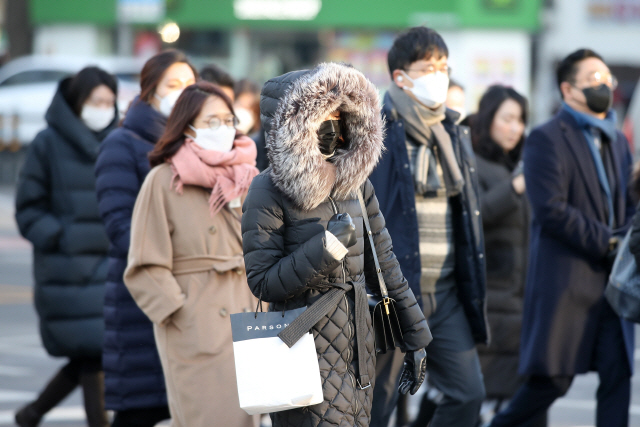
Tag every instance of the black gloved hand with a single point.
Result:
(612, 253)
(414, 371)
(341, 226)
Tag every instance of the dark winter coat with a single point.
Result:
(396, 193)
(569, 240)
(133, 374)
(285, 246)
(505, 220)
(57, 211)
(634, 239)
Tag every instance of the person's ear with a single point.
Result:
(400, 80)
(565, 89)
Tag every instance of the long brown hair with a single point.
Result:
(155, 68)
(185, 111)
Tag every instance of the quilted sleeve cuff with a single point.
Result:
(334, 247)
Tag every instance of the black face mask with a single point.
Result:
(329, 134)
(599, 98)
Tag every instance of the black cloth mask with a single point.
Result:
(329, 134)
(599, 98)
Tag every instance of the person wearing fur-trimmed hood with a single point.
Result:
(302, 229)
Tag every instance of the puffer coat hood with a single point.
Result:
(289, 257)
(271, 94)
(298, 169)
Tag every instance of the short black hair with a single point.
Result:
(568, 67)
(246, 86)
(454, 83)
(413, 45)
(81, 85)
(216, 75)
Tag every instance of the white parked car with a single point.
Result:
(27, 86)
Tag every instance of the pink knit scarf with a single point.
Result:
(227, 174)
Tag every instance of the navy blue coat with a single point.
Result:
(395, 190)
(56, 210)
(569, 239)
(133, 374)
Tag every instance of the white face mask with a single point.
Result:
(220, 139)
(245, 119)
(96, 118)
(430, 89)
(168, 101)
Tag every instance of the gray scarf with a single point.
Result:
(425, 130)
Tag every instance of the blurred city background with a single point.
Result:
(512, 42)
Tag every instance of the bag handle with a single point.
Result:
(365, 217)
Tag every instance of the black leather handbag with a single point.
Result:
(386, 326)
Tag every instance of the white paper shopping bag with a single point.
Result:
(271, 376)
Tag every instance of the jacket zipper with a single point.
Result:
(349, 329)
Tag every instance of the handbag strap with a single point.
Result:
(365, 216)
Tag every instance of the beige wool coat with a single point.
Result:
(186, 272)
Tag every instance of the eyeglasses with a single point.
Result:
(229, 121)
(599, 78)
(430, 69)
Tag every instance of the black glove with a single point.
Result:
(341, 226)
(415, 368)
(612, 252)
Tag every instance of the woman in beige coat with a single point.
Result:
(185, 267)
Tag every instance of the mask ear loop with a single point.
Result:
(401, 79)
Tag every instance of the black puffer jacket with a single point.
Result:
(286, 255)
(57, 211)
(505, 217)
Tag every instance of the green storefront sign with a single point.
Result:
(304, 14)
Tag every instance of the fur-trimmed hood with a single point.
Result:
(298, 169)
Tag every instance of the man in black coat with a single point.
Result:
(576, 168)
(427, 188)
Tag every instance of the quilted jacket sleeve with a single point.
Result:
(272, 273)
(33, 209)
(416, 333)
(117, 186)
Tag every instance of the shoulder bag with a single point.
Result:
(386, 326)
(623, 288)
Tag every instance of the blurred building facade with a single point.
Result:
(513, 42)
(490, 40)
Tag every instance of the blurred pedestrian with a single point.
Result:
(186, 269)
(303, 236)
(57, 212)
(213, 74)
(134, 381)
(497, 132)
(456, 100)
(576, 168)
(428, 191)
(247, 106)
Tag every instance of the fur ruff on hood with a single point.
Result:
(298, 169)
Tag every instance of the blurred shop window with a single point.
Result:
(204, 43)
(35, 76)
